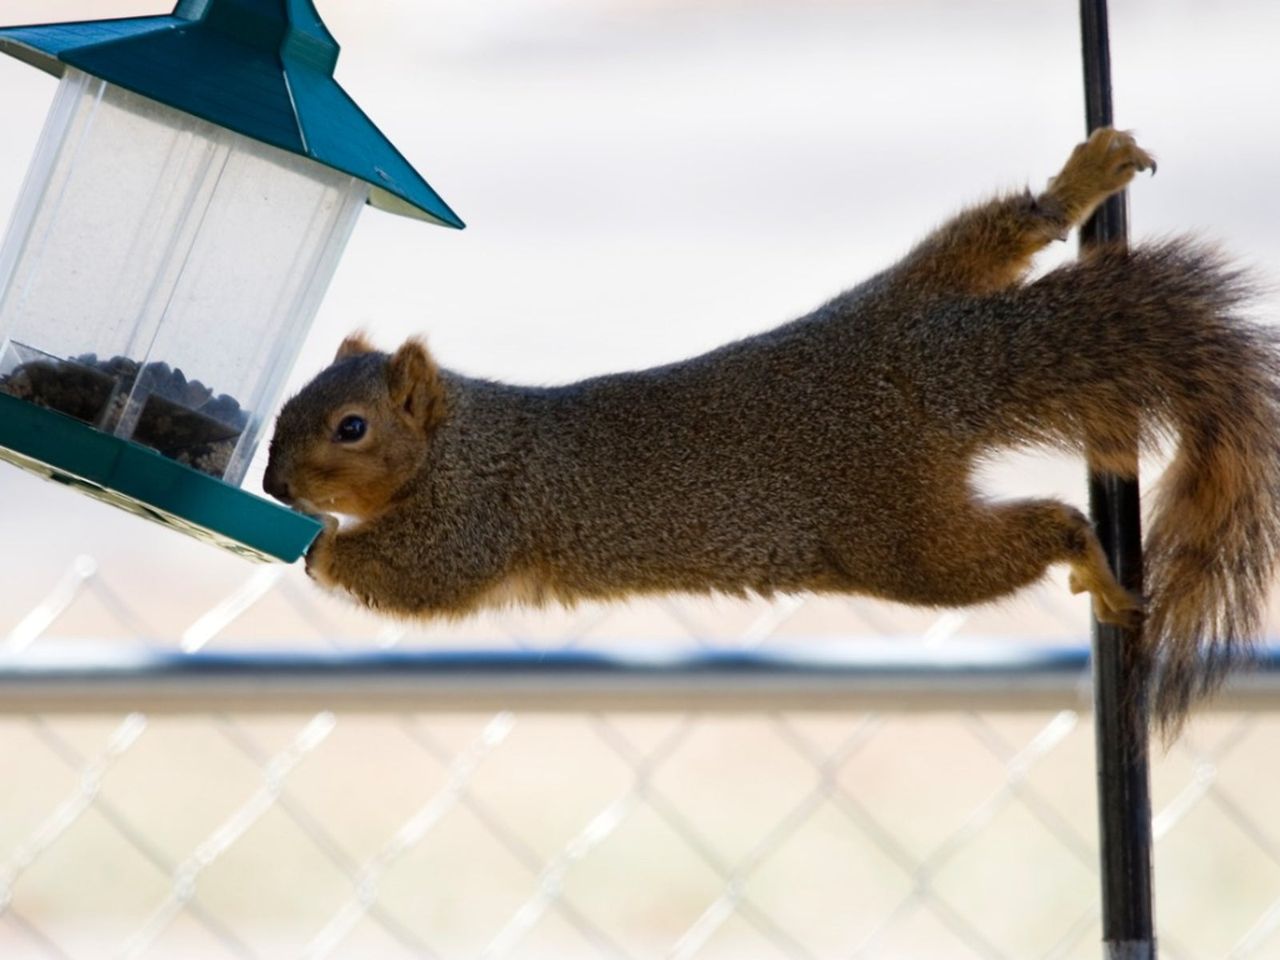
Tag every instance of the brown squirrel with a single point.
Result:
(834, 454)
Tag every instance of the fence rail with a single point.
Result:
(901, 677)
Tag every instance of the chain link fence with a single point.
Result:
(799, 834)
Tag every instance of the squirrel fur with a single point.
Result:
(835, 453)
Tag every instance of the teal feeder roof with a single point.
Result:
(263, 68)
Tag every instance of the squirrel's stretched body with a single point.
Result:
(835, 453)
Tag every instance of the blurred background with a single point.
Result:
(642, 180)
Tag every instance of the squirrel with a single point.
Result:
(835, 453)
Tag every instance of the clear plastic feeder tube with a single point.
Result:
(160, 273)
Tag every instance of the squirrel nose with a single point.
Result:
(275, 486)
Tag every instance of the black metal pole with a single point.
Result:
(1119, 668)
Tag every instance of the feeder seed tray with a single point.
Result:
(146, 483)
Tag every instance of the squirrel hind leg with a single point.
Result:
(983, 551)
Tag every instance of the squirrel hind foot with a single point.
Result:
(1112, 603)
(1097, 168)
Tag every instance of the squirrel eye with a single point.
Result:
(351, 429)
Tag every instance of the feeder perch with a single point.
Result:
(197, 180)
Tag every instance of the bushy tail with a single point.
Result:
(1161, 351)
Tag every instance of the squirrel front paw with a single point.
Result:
(1097, 168)
(318, 554)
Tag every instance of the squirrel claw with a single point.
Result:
(1138, 166)
(1122, 612)
(1128, 619)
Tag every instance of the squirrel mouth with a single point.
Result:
(310, 505)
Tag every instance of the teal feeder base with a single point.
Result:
(140, 480)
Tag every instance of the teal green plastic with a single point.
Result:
(263, 68)
(137, 479)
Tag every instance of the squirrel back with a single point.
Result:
(834, 454)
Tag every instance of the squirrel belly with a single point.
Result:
(835, 453)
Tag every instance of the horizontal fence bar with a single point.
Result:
(894, 677)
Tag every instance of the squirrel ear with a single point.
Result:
(414, 381)
(355, 345)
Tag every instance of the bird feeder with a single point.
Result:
(197, 180)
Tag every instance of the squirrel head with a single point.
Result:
(355, 435)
